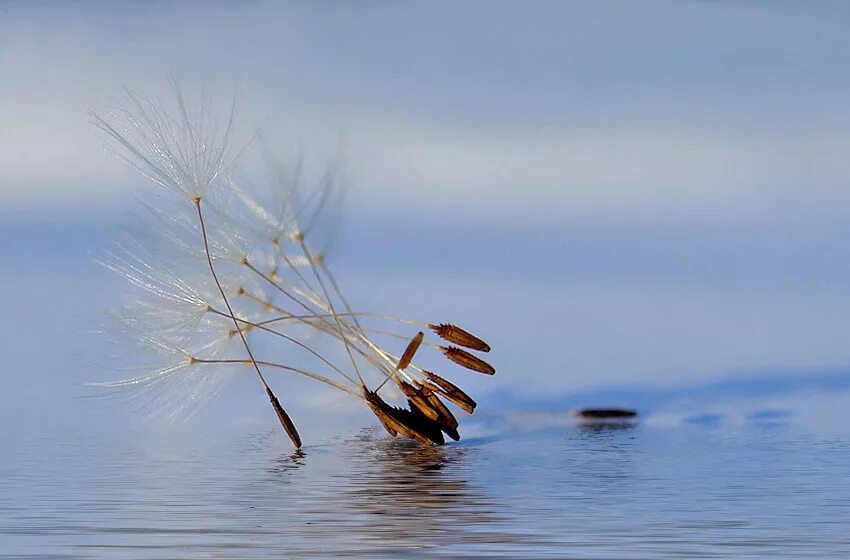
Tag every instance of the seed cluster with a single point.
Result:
(239, 268)
(428, 418)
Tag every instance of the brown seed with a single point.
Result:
(468, 409)
(427, 431)
(444, 414)
(410, 424)
(417, 426)
(285, 420)
(377, 405)
(386, 422)
(467, 360)
(411, 349)
(458, 336)
(423, 408)
(424, 401)
(417, 400)
(447, 428)
(451, 391)
(447, 421)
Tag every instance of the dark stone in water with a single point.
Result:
(607, 413)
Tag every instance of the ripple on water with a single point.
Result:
(590, 491)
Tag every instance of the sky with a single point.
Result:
(618, 195)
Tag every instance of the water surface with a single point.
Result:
(570, 491)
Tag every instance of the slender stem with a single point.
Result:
(327, 328)
(354, 314)
(339, 293)
(315, 301)
(279, 288)
(391, 318)
(309, 256)
(286, 314)
(384, 382)
(294, 269)
(380, 353)
(324, 327)
(289, 338)
(283, 417)
(224, 295)
(302, 318)
(395, 335)
(313, 313)
(304, 372)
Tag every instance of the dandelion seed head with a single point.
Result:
(246, 262)
(167, 377)
(184, 147)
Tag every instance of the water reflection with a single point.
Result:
(606, 425)
(405, 495)
(285, 464)
(596, 490)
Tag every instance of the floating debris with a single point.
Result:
(602, 413)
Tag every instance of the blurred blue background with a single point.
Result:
(637, 204)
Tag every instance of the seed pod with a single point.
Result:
(417, 400)
(386, 422)
(467, 360)
(447, 421)
(416, 426)
(284, 419)
(426, 430)
(445, 416)
(411, 349)
(457, 335)
(450, 391)
(410, 424)
(375, 404)
(451, 432)
(448, 430)
(429, 405)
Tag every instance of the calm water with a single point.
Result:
(697, 491)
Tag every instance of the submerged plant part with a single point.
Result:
(225, 263)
